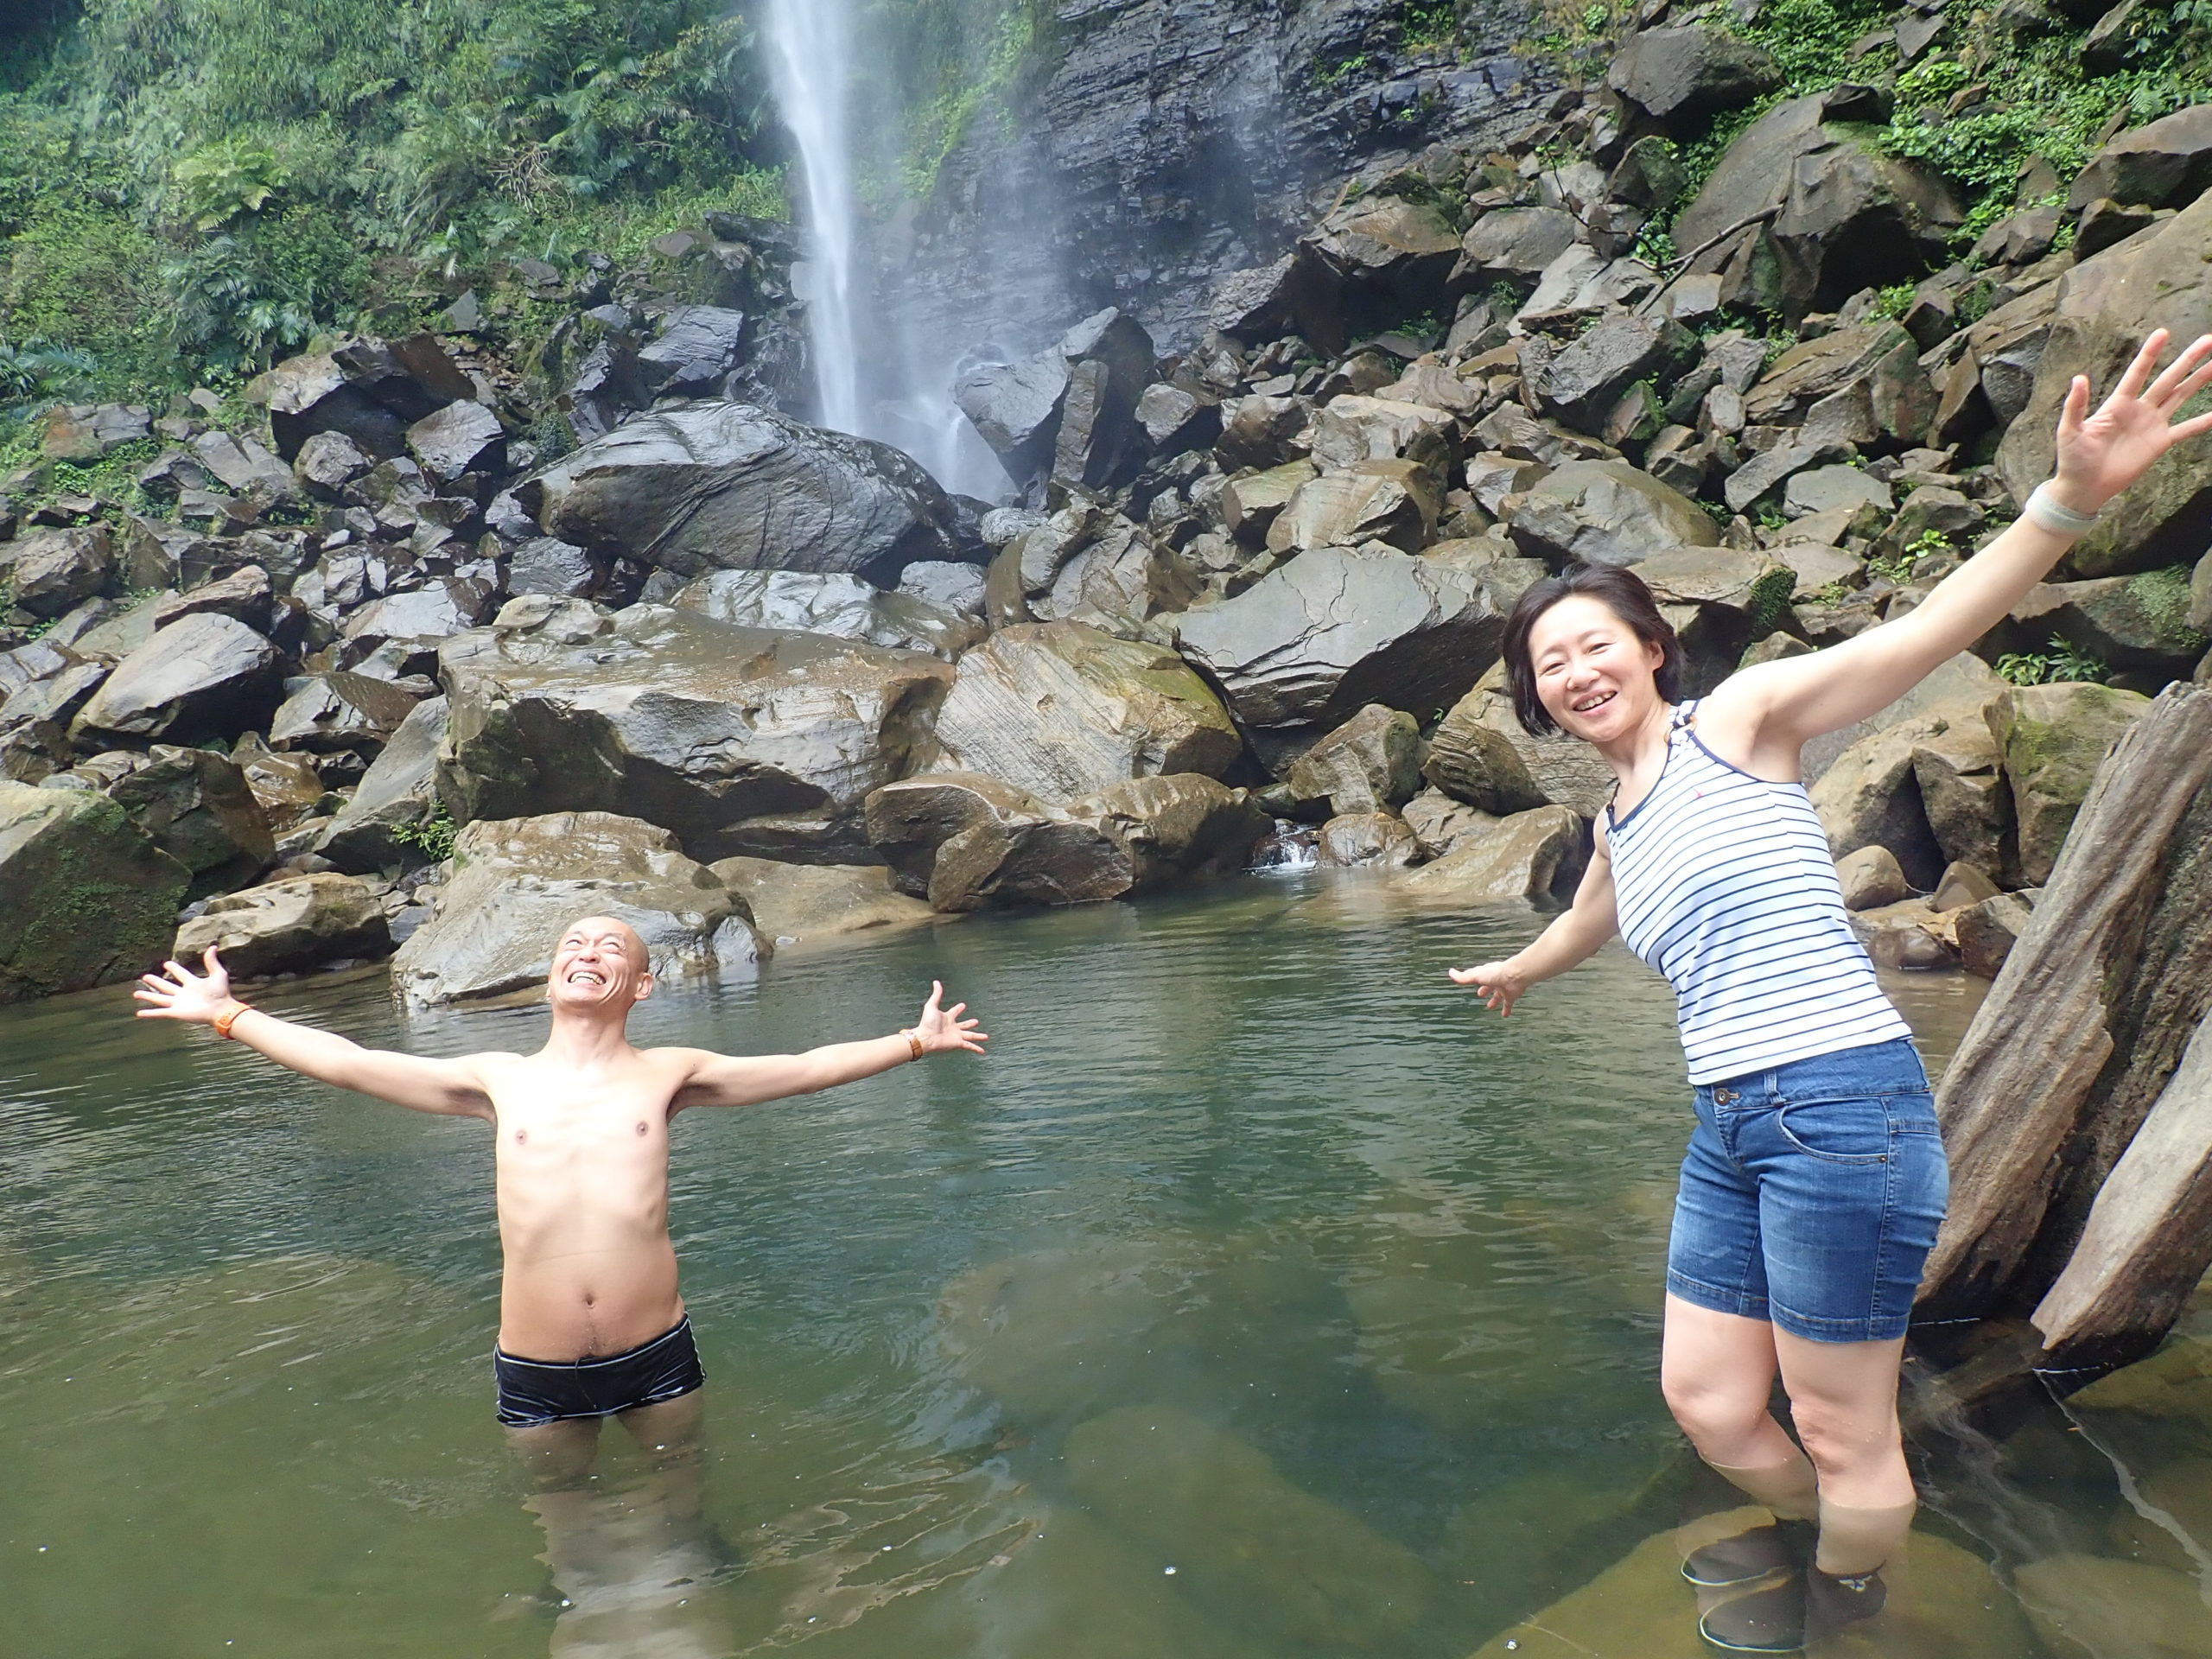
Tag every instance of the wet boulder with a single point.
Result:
(2104, 307)
(908, 821)
(196, 806)
(2054, 738)
(1986, 931)
(1001, 863)
(737, 486)
(1871, 878)
(1350, 429)
(546, 564)
(1177, 828)
(1370, 764)
(1175, 418)
(1097, 372)
(86, 897)
(1607, 512)
(1441, 824)
(1538, 854)
(517, 883)
(1262, 431)
(1311, 643)
(703, 727)
(402, 631)
(697, 348)
(2138, 625)
(1478, 765)
(1089, 566)
(1376, 841)
(1866, 382)
(243, 466)
(245, 595)
(1513, 245)
(1385, 256)
(809, 904)
(206, 675)
(327, 462)
(56, 570)
(945, 585)
(396, 795)
(289, 926)
(1062, 711)
(842, 607)
(1687, 73)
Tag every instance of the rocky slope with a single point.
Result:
(1251, 592)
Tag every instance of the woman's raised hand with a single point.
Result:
(942, 1030)
(1499, 987)
(2101, 455)
(177, 992)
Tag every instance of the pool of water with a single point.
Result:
(1260, 1295)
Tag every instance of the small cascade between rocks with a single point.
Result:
(871, 379)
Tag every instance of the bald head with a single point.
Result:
(600, 926)
(601, 967)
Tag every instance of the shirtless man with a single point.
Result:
(591, 1323)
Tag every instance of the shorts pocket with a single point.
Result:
(1844, 1129)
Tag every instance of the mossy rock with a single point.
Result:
(86, 899)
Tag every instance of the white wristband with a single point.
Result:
(2055, 517)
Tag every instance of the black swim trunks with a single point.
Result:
(535, 1392)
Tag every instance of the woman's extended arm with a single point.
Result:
(450, 1087)
(1573, 939)
(2099, 455)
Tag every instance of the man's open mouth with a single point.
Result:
(586, 976)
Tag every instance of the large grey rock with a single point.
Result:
(244, 467)
(371, 391)
(1385, 256)
(1538, 854)
(517, 883)
(1350, 429)
(340, 711)
(2105, 306)
(398, 793)
(1607, 512)
(736, 486)
(2137, 625)
(1685, 73)
(85, 433)
(289, 926)
(1311, 643)
(1176, 828)
(1371, 763)
(1514, 244)
(327, 462)
(2055, 738)
(1581, 384)
(1373, 841)
(2165, 164)
(546, 564)
(721, 734)
(1802, 211)
(813, 903)
(56, 570)
(1019, 408)
(842, 606)
(462, 437)
(1562, 770)
(204, 675)
(949, 587)
(1393, 502)
(196, 806)
(1858, 383)
(1062, 711)
(245, 595)
(422, 617)
(86, 899)
(697, 347)
(1087, 565)
(969, 843)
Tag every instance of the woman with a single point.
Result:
(1815, 1178)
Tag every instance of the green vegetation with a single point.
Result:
(189, 188)
(1431, 28)
(433, 837)
(2061, 662)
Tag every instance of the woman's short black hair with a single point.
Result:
(1624, 593)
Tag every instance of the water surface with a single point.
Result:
(1260, 1295)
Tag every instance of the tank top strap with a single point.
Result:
(1684, 714)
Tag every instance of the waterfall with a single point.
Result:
(810, 50)
(894, 389)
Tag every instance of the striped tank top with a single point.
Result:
(1724, 883)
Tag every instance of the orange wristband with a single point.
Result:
(914, 1041)
(228, 1017)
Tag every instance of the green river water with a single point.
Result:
(1260, 1295)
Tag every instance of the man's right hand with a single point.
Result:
(1499, 984)
(177, 992)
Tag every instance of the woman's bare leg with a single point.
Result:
(1717, 1371)
(1843, 1397)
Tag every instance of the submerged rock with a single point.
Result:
(517, 882)
(86, 897)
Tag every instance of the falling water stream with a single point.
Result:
(872, 378)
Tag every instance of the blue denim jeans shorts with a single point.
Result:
(1811, 1195)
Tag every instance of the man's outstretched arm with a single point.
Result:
(746, 1080)
(452, 1087)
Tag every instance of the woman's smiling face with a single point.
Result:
(1594, 675)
